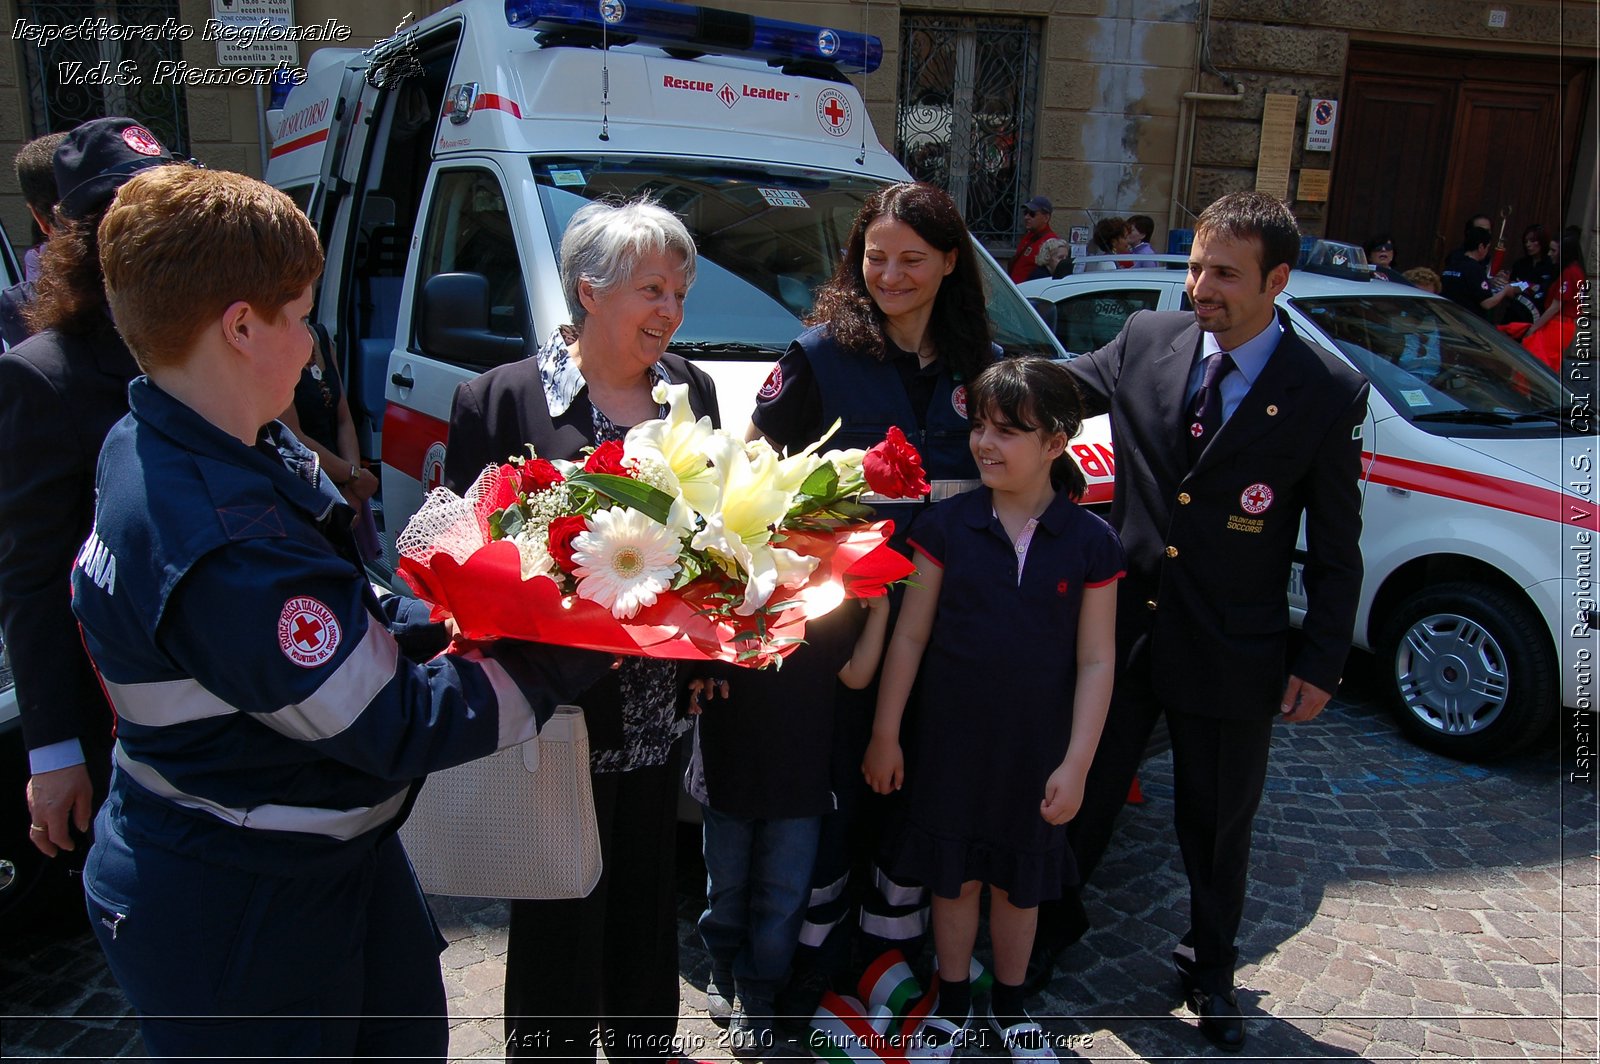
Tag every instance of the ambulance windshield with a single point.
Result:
(767, 239)
(1440, 366)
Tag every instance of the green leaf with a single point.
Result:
(823, 482)
(625, 491)
(495, 529)
(511, 522)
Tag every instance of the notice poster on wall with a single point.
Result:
(1277, 144)
(1313, 186)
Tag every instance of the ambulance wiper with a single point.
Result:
(1560, 415)
(715, 348)
(1467, 417)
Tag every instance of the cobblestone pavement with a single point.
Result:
(1402, 907)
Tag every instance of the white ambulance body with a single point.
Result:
(442, 167)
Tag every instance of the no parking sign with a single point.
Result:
(1319, 125)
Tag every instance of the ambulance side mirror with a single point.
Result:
(454, 322)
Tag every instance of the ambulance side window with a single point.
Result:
(469, 230)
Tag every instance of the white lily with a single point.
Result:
(681, 445)
(739, 529)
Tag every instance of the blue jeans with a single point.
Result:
(758, 879)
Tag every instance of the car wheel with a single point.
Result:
(1468, 671)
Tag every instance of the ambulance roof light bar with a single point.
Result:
(681, 27)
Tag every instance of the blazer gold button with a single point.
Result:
(1272, 410)
(1172, 552)
(1183, 498)
(1150, 604)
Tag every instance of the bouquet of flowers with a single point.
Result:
(681, 541)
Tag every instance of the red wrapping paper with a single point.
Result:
(489, 600)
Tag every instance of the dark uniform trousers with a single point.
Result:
(1202, 617)
(1219, 768)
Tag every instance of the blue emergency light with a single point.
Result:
(704, 30)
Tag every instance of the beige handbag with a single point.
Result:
(519, 823)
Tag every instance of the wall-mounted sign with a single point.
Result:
(1313, 186)
(1277, 143)
(1320, 123)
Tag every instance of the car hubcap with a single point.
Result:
(1452, 674)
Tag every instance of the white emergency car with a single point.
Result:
(441, 168)
(1479, 514)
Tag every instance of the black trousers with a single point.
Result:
(1219, 769)
(601, 972)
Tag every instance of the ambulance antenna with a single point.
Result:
(866, 11)
(605, 80)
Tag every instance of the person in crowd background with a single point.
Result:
(246, 883)
(1231, 428)
(600, 970)
(1380, 254)
(1054, 259)
(1110, 238)
(1008, 635)
(1140, 227)
(896, 337)
(1531, 277)
(35, 165)
(1553, 331)
(60, 393)
(759, 769)
(1423, 278)
(1465, 277)
(320, 417)
(1035, 232)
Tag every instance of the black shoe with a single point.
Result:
(1220, 1019)
(797, 1001)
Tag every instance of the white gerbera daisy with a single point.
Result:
(624, 560)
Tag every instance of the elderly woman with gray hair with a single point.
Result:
(601, 970)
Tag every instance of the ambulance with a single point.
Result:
(442, 166)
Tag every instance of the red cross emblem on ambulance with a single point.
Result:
(833, 112)
(308, 632)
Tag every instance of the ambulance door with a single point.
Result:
(468, 312)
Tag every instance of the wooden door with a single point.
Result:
(1503, 161)
(1429, 138)
(1392, 161)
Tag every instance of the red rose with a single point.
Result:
(607, 458)
(538, 474)
(562, 532)
(505, 489)
(894, 468)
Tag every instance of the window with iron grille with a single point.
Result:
(72, 81)
(968, 91)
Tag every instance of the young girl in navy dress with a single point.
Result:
(1007, 633)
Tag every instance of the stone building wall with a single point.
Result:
(1289, 46)
(1110, 135)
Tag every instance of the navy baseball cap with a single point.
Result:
(99, 157)
(1038, 205)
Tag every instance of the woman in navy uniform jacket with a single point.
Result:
(896, 335)
(246, 882)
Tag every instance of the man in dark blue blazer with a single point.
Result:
(1215, 468)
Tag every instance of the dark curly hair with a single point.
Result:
(70, 295)
(1035, 395)
(959, 328)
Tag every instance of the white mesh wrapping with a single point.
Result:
(448, 523)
